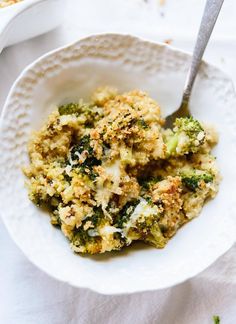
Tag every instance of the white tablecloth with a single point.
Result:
(28, 296)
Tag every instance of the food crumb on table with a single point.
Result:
(216, 319)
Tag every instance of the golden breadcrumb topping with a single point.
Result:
(6, 3)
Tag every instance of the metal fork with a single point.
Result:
(210, 14)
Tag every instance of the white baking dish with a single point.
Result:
(29, 18)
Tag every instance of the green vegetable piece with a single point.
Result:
(97, 217)
(71, 108)
(126, 212)
(141, 123)
(189, 125)
(148, 182)
(172, 144)
(187, 137)
(86, 167)
(192, 180)
(216, 319)
(84, 146)
(87, 113)
(155, 236)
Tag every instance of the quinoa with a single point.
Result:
(105, 171)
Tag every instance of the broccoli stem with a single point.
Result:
(171, 145)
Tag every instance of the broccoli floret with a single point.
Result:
(71, 108)
(139, 221)
(126, 212)
(155, 236)
(89, 112)
(89, 240)
(97, 216)
(83, 145)
(145, 224)
(192, 180)
(94, 230)
(82, 157)
(148, 182)
(186, 137)
(84, 242)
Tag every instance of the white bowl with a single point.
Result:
(29, 18)
(75, 71)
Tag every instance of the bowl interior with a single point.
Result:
(126, 63)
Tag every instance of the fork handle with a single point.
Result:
(211, 12)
